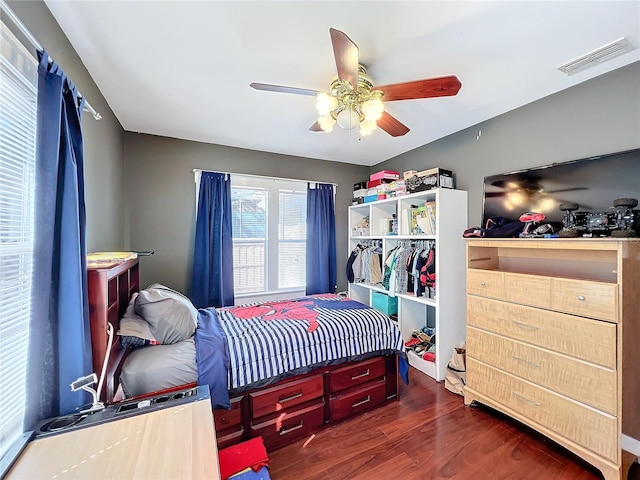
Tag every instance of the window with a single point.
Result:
(18, 107)
(269, 235)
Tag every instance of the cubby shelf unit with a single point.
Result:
(446, 312)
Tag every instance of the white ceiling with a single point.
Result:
(182, 69)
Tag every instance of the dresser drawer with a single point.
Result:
(588, 299)
(287, 427)
(225, 419)
(584, 382)
(583, 338)
(591, 429)
(352, 402)
(486, 283)
(352, 375)
(280, 397)
(534, 290)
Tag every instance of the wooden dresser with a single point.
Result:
(552, 340)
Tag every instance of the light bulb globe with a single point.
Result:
(367, 128)
(326, 123)
(348, 119)
(373, 109)
(325, 103)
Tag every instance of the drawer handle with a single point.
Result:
(526, 362)
(482, 284)
(284, 431)
(362, 402)
(354, 377)
(520, 397)
(581, 298)
(525, 325)
(286, 399)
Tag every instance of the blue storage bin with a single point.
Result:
(384, 303)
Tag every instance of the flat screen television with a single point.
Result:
(593, 183)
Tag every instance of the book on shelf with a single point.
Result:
(419, 222)
(108, 259)
(431, 214)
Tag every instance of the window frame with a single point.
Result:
(273, 186)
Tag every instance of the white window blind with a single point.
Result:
(292, 234)
(249, 209)
(18, 108)
(269, 237)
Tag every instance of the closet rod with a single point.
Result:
(34, 42)
(198, 170)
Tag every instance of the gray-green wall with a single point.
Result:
(598, 116)
(103, 139)
(160, 205)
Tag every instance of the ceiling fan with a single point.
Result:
(353, 99)
(529, 185)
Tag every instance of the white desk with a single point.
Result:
(173, 443)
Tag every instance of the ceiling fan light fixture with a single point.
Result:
(367, 127)
(348, 118)
(326, 103)
(373, 108)
(326, 122)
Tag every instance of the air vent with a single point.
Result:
(597, 56)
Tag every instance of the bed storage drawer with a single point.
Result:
(228, 423)
(225, 419)
(226, 438)
(281, 397)
(285, 428)
(355, 401)
(356, 374)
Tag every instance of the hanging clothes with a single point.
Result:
(364, 264)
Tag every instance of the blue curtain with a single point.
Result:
(321, 240)
(212, 279)
(60, 340)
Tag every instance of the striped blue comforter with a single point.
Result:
(272, 340)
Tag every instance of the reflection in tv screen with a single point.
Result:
(593, 183)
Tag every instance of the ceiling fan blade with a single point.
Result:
(346, 53)
(391, 125)
(316, 128)
(282, 89)
(429, 88)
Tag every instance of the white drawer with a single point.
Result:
(584, 382)
(585, 426)
(583, 338)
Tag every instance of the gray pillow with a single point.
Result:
(134, 330)
(149, 369)
(171, 316)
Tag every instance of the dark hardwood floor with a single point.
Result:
(428, 434)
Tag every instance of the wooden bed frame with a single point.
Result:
(281, 413)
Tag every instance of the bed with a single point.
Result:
(280, 370)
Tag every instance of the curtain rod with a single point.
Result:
(196, 170)
(34, 42)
